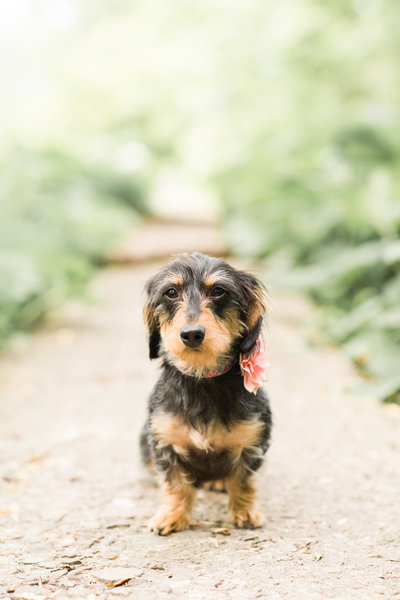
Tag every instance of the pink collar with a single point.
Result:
(208, 373)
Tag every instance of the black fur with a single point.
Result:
(200, 402)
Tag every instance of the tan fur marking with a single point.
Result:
(233, 323)
(244, 510)
(215, 345)
(168, 430)
(162, 318)
(148, 316)
(172, 430)
(257, 307)
(176, 508)
(216, 277)
(172, 278)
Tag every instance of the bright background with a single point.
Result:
(280, 117)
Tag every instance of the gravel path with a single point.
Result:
(75, 501)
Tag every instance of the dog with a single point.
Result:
(203, 426)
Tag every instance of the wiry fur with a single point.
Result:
(202, 430)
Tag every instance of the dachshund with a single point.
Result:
(208, 422)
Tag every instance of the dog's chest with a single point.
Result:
(215, 438)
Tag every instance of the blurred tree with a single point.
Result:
(289, 110)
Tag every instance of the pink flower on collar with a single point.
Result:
(254, 366)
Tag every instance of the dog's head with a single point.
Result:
(200, 310)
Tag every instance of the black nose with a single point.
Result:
(192, 335)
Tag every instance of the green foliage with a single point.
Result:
(320, 196)
(289, 110)
(59, 215)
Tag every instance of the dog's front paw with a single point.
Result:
(166, 521)
(248, 518)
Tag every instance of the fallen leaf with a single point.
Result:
(114, 576)
(118, 583)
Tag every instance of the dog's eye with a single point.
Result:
(171, 293)
(217, 292)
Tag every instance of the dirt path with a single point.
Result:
(75, 502)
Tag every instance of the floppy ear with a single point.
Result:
(153, 329)
(254, 294)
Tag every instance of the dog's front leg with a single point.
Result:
(244, 509)
(176, 509)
